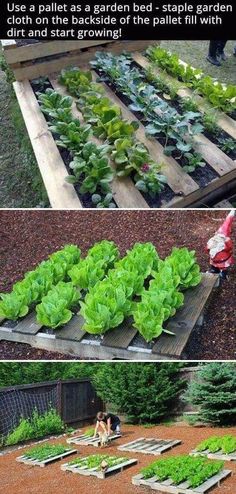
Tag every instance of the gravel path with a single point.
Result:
(27, 237)
(17, 478)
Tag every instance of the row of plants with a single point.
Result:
(219, 95)
(174, 130)
(208, 119)
(183, 468)
(98, 462)
(46, 451)
(111, 288)
(131, 157)
(36, 284)
(90, 162)
(35, 427)
(225, 444)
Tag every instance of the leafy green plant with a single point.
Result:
(103, 202)
(89, 432)
(180, 469)
(55, 308)
(189, 105)
(227, 145)
(37, 283)
(209, 122)
(194, 160)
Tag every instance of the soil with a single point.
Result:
(18, 478)
(28, 237)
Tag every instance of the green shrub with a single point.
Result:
(35, 427)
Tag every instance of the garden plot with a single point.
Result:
(150, 446)
(122, 342)
(182, 475)
(41, 456)
(217, 448)
(198, 172)
(100, 466)
(84, 440)
(31, 60)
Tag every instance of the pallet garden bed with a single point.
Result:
(217, 448)
(29, 60)
(123, 342)
(187, 184)
(84, 440)
(104, 465)
(182, 475)
(41, 456)
(152, 446)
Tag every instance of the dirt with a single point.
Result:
(17, 478)
(28, 237)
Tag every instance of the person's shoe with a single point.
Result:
(213, 61)
(222, 56)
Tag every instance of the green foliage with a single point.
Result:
(225, 444)
(95, 461)
(37, 283)
(163, 297)
(209, 122)
(214, 392)
(109, 301)
(128, 388)
(180, 469)
(220, 96)
(46, 451)
(227, 145)
(90, 432)
(35, 427)
(54, 310)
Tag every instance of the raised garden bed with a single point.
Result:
(41, 456)
(123, 341)
(114, 465)
(182, 475)
(30, 60)
(149, 446)
(84, 440)
(183, 188)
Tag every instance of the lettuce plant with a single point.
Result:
(55, 308)
(37, 283)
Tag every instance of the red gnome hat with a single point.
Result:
(226, 227)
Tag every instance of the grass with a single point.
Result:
(195, 52)
(20, 180)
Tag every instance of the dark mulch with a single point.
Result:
(27, 237)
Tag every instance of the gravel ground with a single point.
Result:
(29, 236)
(18, 478)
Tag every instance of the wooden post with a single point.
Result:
(59, 398)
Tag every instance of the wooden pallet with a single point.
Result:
(214, 456)
(44, 463)
(35, 60)
(83, 440)
(149, 446)
(167, 485)
(96, 473)
(185, 190)
(123, 342)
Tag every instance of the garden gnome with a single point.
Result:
(220, 247)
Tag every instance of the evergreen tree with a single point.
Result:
(144, 392)
(214, 391)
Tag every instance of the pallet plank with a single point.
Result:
(120, 337)
(184, 321)
(43, 463)
(214, 456)
(61, 194)
(83, 440)
(72, 330)
(28, 325)
(150, 446)
(97, 473)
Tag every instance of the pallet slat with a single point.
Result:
(96, 473)
(43, 463)
(92, 441)
(215, 456)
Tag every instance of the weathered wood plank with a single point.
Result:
(214, 456)
(120, 337)
(43, 463)
(150, 446)
(98, 473)
(28, 325)
(184, 321)
(72, 330)
(61, 194)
